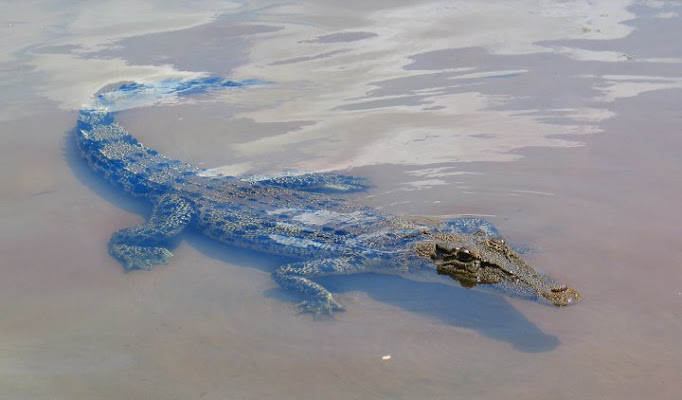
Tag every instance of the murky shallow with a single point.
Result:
(559, 121)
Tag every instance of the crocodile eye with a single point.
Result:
(464, 255)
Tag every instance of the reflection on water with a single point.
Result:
(557, 120)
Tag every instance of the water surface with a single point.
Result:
(559, 121)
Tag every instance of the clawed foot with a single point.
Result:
(138, 257)
(326, 305)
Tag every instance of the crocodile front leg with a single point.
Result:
(142, 246)
(471, 226)
(317, 299)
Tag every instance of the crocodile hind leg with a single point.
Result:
(317, 299)
(315, 182)
(142, 246)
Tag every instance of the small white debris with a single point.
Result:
(386, 357)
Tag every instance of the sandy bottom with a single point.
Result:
(599, 211)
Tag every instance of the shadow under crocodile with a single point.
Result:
(487, 313)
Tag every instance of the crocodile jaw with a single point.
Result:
(478, 260)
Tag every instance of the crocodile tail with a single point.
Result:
(112, 151)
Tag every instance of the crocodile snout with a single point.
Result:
(562, 296)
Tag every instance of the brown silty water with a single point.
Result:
(562, 142)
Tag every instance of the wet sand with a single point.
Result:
(565, 146)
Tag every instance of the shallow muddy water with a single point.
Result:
(557, 121)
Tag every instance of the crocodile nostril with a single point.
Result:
(559, 289)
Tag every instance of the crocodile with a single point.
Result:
(298, 216)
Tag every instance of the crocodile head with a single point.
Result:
(479, 259)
